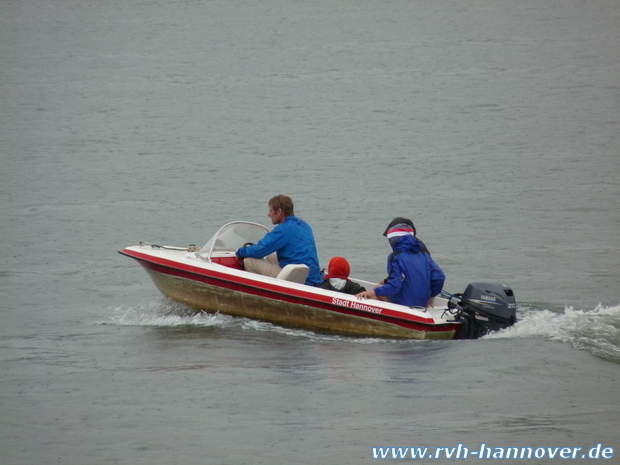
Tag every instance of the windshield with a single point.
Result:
(231, 236)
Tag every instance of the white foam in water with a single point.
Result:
(597, 331)
(163, 312)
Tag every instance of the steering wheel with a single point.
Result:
(247, 244)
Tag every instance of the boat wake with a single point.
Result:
(597, 331)
(163, 312)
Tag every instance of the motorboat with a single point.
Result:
(211, 279)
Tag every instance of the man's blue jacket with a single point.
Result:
(413, 275)
(293, 242)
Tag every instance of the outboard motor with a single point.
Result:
(482, 308)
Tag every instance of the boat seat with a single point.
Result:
(294, 273)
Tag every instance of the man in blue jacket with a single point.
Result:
(292, 241)
(414, 278)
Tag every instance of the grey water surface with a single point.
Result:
(495, 126)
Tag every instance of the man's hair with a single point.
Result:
(284, 202)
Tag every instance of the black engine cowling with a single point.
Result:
(483, 308)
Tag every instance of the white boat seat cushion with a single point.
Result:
(294, 273)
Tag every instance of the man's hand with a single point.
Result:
(366, 295)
